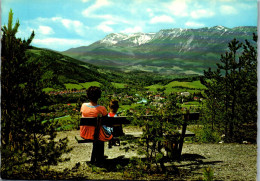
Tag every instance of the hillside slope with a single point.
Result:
(188, 51)
(60, 69)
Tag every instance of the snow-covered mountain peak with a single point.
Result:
(220, 28)
(113, 38)
(137, 39)
(140, 38)
(131, 39)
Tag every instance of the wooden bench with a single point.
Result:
(98, 146)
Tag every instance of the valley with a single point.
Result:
(190, 96)
(176, 88)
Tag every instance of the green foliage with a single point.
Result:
(157, 131)
(231, 92)
(59, 70)
(119, 85)
(207, 135)
(26, 143)
(79, 86)
(178, 86)
(208, 174)
(135, 169)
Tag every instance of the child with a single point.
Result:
(117, 129)
(113, 107)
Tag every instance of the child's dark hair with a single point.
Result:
(94, 93)
(113, 105)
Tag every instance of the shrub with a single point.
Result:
(207, 135)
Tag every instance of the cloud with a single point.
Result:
(104, 26)
(59, 44)
(194, 24)
(178, 7)
(97, 11)
(72, 25)
(225, 9)
(85, 1)
(45, 30)
(201, 13)
(99, 4)
(150, 12)
(161, 19)
(227, 0)
(247, 6)
(25, 33)
(132, 30)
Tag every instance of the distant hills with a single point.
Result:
(59, 69)
(169, 51)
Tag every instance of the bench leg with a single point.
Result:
(182, 139)
(97, 151)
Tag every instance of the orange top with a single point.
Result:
(92, 111)
(87, 132)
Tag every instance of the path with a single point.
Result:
(229, 161)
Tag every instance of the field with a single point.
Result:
(174, 86)
(118, 85)
(80, 86)
(126, 104)
(177, 86)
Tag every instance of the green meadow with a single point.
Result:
(177, 86)
(80, 86)
(118, 85)
(86, 85)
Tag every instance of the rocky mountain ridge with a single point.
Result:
(177, 50)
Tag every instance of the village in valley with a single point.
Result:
(185, 100)
(129, 91)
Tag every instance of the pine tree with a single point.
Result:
(231, 89)
(27, 143)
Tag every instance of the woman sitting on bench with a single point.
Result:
(92, 109)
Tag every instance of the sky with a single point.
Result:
(64, 24)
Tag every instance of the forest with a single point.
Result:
(42, 92)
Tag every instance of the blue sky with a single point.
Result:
(64, 24)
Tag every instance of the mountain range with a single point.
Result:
(169, 51)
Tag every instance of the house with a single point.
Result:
(195, 98)
(185, 94)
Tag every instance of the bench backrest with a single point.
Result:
(110, 121)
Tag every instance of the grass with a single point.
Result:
(48, 89)
(127, 107)
(73, 86)
(154, 87)
(170, 90)
(80, 86)
(118, 85)
(192, 85)
(64, 123)
(190, 104)
(177, 86)
(86, 85)
(193, 103)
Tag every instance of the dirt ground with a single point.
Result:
(228, 161)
